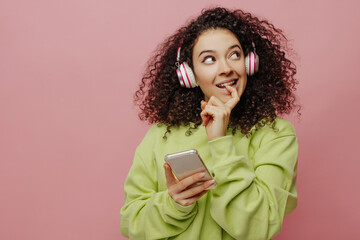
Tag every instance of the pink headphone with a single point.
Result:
(186, 76)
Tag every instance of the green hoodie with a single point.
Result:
(255, 186)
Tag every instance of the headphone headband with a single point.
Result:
(178, 51)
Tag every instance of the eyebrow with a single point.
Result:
(233, 46)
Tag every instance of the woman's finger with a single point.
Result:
(186, 182)
(191, 195)
(203, 104)
(234, 97)
(205, 117)
(193, 199)
(189, 201)
(208, 114)
(170, 179)
(195, 190)
(214, 101)
(214, 112)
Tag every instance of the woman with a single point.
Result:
(244, 83)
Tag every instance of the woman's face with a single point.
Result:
(218, 60)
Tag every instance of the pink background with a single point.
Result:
(68, 128)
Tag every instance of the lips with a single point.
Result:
(227, 83)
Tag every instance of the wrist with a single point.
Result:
(215, 136)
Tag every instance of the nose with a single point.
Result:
(224, 68)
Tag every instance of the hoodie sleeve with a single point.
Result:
(149, 213)
(253, 195)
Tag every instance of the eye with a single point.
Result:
(209, 60)
(235, 55)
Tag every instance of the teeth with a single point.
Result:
(226, 84)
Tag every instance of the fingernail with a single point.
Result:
(201, 175)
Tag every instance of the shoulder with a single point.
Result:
(156, 130)
(154, 133)
(157, 144)
(282, 128)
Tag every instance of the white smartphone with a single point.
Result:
(187, 163)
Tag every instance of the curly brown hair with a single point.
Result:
(268, 93)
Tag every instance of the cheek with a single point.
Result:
(242, 85)
(204, 75)
(240, 67)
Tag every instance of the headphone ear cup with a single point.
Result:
(186, 76)
(251, 63)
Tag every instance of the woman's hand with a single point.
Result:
(181, 191)
(216, 114)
